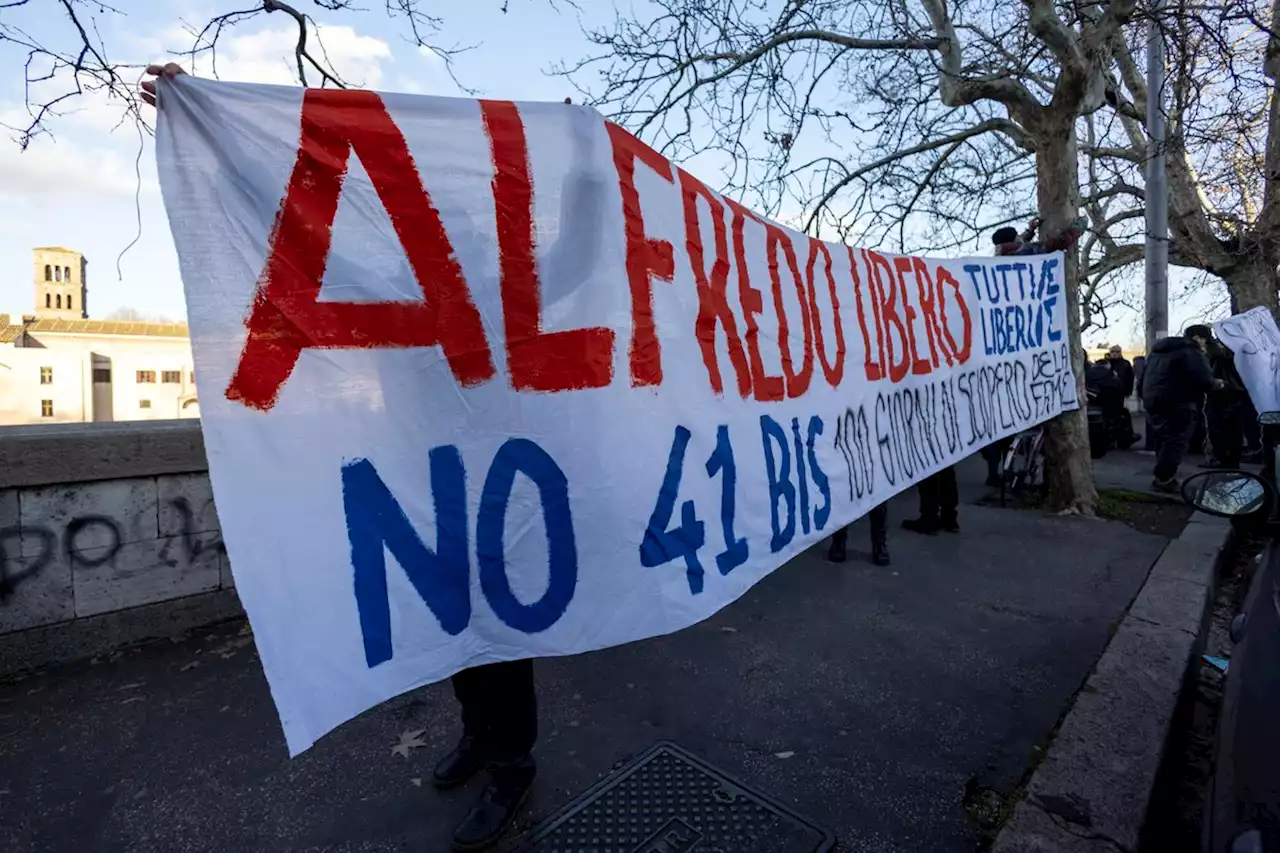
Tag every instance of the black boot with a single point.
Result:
(921, 525)
(951, 524)
(880, 553)
(459, 764)
(496, 809)
(838, 552)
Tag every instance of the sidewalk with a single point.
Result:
(868, 699)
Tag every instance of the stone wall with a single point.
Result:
(97, 520)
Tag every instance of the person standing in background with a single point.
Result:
(1225, 403)
(1123, 370)
(939, 504)
(879, 517)
(1174, 383)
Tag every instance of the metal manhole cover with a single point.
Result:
(668, 801)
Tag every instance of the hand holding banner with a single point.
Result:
(488, 381)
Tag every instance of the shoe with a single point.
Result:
(1169, 486)
(951, 525)
(1212, 464)
(993, 481)
(837, 552)
(459, 764)
(496, 809)
(880, 555)
(920, 525)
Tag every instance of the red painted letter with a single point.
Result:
(833, 372)
(797, 383)
(713, 306)
(645, 257)
(537, 360)
(767, 388)
(286, 316)
(962, 352)
(926, 288)
(871, 367)
(902, 266)
(888, 299)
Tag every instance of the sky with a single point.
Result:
(90, 184)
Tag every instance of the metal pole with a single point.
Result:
(1157, 248)
(1157, 190)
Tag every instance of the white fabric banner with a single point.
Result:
(483, 381)
(1255, 341)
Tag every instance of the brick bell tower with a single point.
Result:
(61, 285)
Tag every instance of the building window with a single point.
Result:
(144, 404)
(57, 273)
(193, 377)
(171, 377)
(48, 273)
(46, 376)
(46, 408)
(102, 374)
(68, 301)
(146, 377)
(48, 300)
(66, 275)
(58, 300)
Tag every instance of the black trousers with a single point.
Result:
(1250, 427)
(1172, 429)
(1224, 422)
(499, 708)
(879, 518)
(993, 453)
(939, 497)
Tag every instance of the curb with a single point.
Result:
(1091, 792)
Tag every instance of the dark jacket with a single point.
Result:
(1065, 240)
(1103, 387)
(1124, 372)
(1222, 363)
(1176, 375)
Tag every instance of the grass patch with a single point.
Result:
(1141, 511)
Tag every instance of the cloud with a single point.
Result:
(267, 56)
(63, 172)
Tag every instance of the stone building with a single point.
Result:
(56, 364)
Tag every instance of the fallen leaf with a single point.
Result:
(728, 630)
(787, 754)
(134, 686)
(408, 741)
(192, 665)
(417, 782)
(131, 700)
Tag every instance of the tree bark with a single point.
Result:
(1068, 467)
(1251, 283)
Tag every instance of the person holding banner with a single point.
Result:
(498, 705)
(879, 517)
(1225, 404)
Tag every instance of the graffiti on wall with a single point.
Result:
(46, 543)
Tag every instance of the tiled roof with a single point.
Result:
(55, 249)
(8, 333)
(54, 325)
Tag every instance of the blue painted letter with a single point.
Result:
(771, 433)
(523, 456)
(375, 520)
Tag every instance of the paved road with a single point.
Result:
(893, 688)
